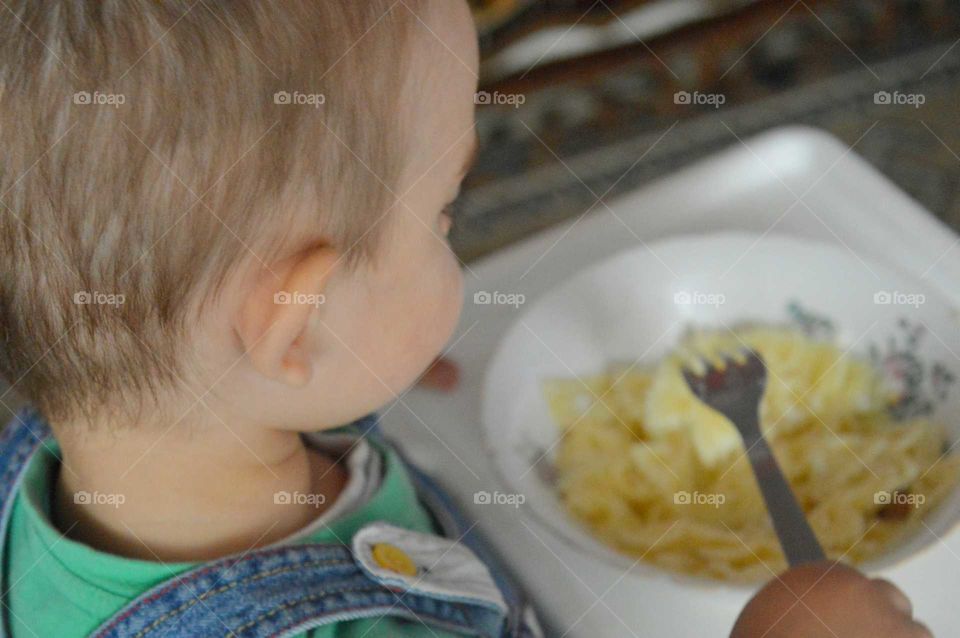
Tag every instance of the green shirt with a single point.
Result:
(62, 588)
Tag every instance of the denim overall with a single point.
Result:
(286, 590)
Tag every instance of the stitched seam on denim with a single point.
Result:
(24, 449)
(342, 590)
(197, 574)
(228, 586)
(339, 590)
(312, 597)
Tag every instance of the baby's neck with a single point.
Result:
(179, 496)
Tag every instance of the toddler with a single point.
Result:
(223, 245)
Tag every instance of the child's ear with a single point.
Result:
(277, 317)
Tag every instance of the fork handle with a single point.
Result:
(797, 539)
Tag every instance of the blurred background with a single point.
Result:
(588, 98)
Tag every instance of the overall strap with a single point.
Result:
(284, 591)
(455, 526)
(19, 440)
(521, 618)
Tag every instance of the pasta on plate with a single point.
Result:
(656, 475)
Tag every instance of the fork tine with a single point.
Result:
(694, 381)
(735, 372)
(755, 361)
(689, 373)
(736, 392)
(694, 361)
(724, 370)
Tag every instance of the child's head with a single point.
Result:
(239, 204)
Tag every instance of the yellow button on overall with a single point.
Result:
(393, 558)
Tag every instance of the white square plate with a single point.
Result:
(795, 181)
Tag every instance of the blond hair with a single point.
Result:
(150, 149)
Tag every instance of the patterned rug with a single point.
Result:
(883, 76)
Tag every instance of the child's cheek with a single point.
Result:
(447, 303)
(455, 292)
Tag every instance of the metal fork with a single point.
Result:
(735, 392)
